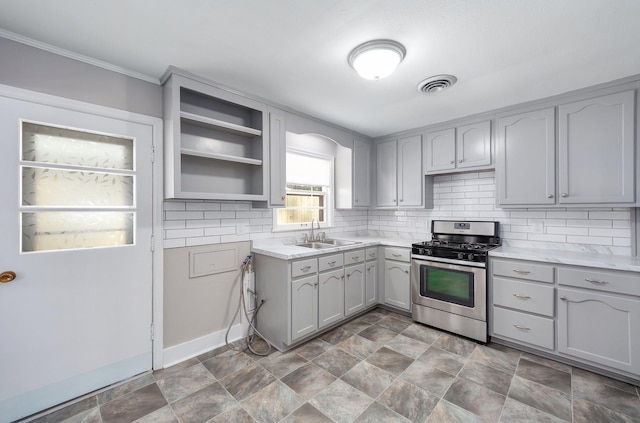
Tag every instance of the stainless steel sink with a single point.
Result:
(327, 244)
(339, 242)
(316, 245)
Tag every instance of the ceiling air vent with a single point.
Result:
(437, 83)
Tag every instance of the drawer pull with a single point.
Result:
(354, 258)
(305, 268)
(396, 255)
(522, 272)
(372, 254)
(332, 263)
(524, 328)
(522, 297)
(596, 281)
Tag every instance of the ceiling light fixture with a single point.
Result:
(376, 59)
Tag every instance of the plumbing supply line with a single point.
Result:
(251, 337)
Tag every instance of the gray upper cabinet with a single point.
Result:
(473, 145)
(399, 172)
(410, 171)
(596, 150)
(277, 158)
(464, 147)
(386, 174)
(595, 154)
(525, 156)
(440, 151)
(361, 173)
(215, 141)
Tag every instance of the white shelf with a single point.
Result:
(219, 156)
(220, 124)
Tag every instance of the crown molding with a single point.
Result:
(76, 56)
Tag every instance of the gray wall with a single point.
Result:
(34, 69)
(199, 306)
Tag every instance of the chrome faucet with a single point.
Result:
(313, 238)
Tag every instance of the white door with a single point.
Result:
(76, 218)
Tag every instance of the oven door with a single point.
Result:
(452, 288)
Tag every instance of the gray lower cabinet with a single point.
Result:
(599, 317)
(302, 297)
(397, 282)
(585, 315)
(354, 288)
(522, 303)
(371, 277)
(330, 297)
(304, 306)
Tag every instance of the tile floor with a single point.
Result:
(380, 367)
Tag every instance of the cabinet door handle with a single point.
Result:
(369, 268)
(522, 272)
(564, 194)
(305, 268)
(452, 161)
(315, 284)
(522, 297)
(524, 328)
(348, 275)
(282, 198)
(596, 281)
(549, 195)
(563, 298)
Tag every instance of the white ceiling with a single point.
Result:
(294, 52)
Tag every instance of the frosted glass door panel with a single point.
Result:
(77, 189)
(44, 231)
(49, 144)
(53, 187)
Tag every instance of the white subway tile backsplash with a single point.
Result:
(183, 215)
(203, 206)
(465, 196)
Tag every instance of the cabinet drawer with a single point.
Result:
(372, 253)
(602, 280)
(400, 254)
(330, 262)
(523, 327)
(523, 270)
(523, 296)
(351, 257)
(304, 267)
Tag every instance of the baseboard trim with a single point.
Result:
(193, 348)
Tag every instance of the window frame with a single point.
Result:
(327, 192)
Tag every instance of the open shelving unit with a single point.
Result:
(215, 141)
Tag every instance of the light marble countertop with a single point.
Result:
(285, 248)
(603, 261)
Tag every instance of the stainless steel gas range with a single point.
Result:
(449, 276)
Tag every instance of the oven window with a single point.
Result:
(452, 286)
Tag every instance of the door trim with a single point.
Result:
(157, 191)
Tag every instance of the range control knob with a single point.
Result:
(470, 256)
(428, 251)
(460, 255)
